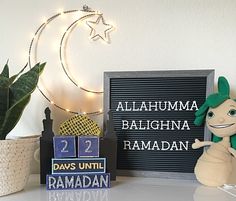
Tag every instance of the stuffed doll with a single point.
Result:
(215, 166)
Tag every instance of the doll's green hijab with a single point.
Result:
(213, 101)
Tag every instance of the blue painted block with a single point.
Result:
(78, 165)
(88, 146)
(78, 181)
(64, 146)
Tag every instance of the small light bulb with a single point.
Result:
(77, 15)
(79, 83)
(61, 46)
(63, 29)
(62, 13)
(63, 16)
(60, 10)
(100, 110)
(52, 102)
(32, 35)
(47, 26)
(112, 24)
(84, 112)
(98, 12)
(44, 20)
(67, 110)
(90, 94)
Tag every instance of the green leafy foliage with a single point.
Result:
(5, 72)
(15, 93)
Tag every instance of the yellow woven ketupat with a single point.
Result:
(79, 125)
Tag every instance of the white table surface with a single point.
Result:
(127, 189)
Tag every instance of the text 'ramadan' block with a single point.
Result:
(78, 181)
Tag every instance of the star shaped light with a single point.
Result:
(100, 29)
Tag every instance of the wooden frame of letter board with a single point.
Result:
(108, 76)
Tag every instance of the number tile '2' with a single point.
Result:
(64, 146)
(88, 146)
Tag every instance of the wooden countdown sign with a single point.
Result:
(153, 116)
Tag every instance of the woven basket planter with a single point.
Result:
(15, 159)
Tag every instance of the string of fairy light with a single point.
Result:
(65, 34)
(93, 35)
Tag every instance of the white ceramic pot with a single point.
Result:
(15, 159)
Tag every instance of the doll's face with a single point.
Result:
(221, 120)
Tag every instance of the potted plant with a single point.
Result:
(15, 155)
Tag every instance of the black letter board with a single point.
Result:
(153, 116)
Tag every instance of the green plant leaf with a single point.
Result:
(4, 82)
(4, 103)
(26, 83)
(5, 72)
(4, 97)
(40, 69)
(13, 116)
(12, 78)
(15, 93)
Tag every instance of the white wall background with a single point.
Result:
(149, 35)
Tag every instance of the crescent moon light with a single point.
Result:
(94, 35)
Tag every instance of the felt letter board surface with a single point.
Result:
(153, 114)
